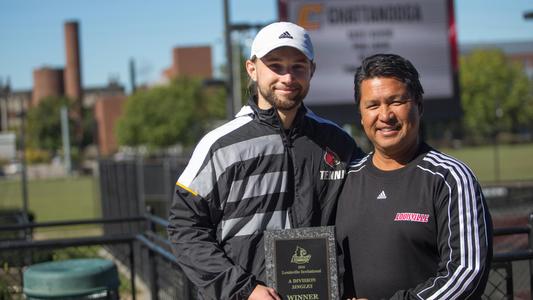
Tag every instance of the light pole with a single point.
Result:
(23, 173)
(4, 90)
(499, 115)
(230, 112)
(132, 76)
(237, 55)
(233, 72)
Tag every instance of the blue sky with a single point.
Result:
(113, 31)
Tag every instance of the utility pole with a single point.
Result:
(240, 28)
(66, 140)
(499, 115)
(132, 76)
(4, 91)
(236, 70)
(233, 82)
(229, 59)
(23, 172)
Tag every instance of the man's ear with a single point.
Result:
(313, 67)
(251, 69)
(420, 108)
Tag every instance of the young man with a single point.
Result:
(412, 222)
(275, 166)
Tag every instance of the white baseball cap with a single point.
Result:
(282, 34)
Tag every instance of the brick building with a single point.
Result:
(107, 101)
(190, 61)
(107, 110)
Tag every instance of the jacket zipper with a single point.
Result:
(287, 143)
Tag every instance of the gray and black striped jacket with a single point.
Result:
(248, 176)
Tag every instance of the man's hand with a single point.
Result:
(262, 292)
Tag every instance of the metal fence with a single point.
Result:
(143, 256)
(146, 258)
(511, 275)
(128, 187)
(136, 239)
(18, 253)
(136, 184)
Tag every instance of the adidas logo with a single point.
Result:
(285, 35)
(382, 196)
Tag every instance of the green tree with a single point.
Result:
(166, 115)
(488, 80)
(44, 127)
(44, 124)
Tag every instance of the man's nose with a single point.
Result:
(287, 77)
(385, 113)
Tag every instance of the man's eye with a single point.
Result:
(399, 101)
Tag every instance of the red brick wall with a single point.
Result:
(191, 61)
(107, 110)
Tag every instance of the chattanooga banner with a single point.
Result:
(346, 31)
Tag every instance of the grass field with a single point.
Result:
(54, 200)
(515, 161)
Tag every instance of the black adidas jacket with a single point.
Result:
(248, 176)
(420, 232)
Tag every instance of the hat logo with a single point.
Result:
(285, 35)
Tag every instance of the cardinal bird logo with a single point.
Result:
(331, 158)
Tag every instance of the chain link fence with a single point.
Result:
(511, 205)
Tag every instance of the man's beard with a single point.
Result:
(286, 104)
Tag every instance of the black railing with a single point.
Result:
(25, 241)
(503, 262)
(147, 256)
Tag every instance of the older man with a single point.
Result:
(412, 221)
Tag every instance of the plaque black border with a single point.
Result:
(326, 232)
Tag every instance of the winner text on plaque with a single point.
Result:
(301, 263)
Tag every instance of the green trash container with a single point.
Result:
(91, 278)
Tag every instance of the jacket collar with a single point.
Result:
(270, 116)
